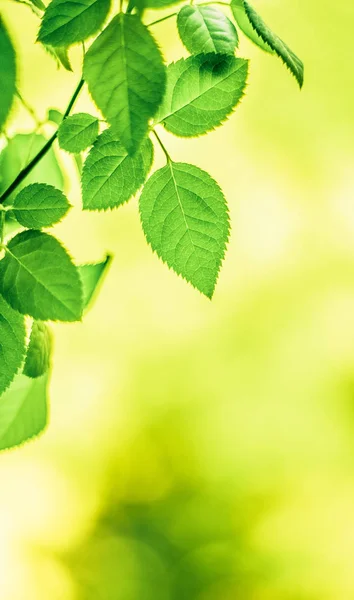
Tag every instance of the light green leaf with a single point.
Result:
(39, 205)
(38, 278)
(110, 176)
(206, 29)
(7, 73)
(55, 116)
(12, 344)
(66, 22)
(185, 220)
(288, 57)
(18, 153)
(126, 77)
(202, 91)
(78, 132)
(23, 411)
(92, 277)
(39, 350)
(39, 4)
(242, 20)
(160, 3)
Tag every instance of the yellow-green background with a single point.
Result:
(205, 450)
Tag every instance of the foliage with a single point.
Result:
(183, 211)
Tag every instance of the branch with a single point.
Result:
(42, 152)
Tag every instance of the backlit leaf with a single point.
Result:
(7, 73)
(206, 29)
(23, 411)
(39, 205)
(66, 22)
(126, 77)
(91, 277)
(185, 220)
(78, 132)
(12, 344)
(38, 278)
(202, 91)
(39, 350)
(110, 175)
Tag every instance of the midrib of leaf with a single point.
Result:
(170, 164)
(81, 130)
(38, 281)
(175, 112)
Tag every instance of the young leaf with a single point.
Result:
(78, 132)
(206, 29)
(40, 205)
(38, 278)
(7, 73)
(39, 350)
(288, 57)
(110, 176)
(185, 220)
(91, 277)
(55, 116)
(66, 22)
(201, 93)
(242, 20)
(126, 77)
(23, 411)
(18, 153)
(13, 344)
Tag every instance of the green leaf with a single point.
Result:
(126, 77)
(38, 278)
(39, 350)
(185, 220)
(110, 175)
(23, 411)
(18, 153)
(12, 344)
(39, 4)
(201, 93)
(66, 22)
(206, 29)
(242, 20)
(92, 276)
(55, 116)
(62, 56)
(78, 132)
(7, 73)
(39, 205)
(288, 57)
(160, 3)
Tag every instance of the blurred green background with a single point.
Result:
(205, 450)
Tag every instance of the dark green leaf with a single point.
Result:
(126, 77)
(206, 29)
(23, 411)
(12, 344)
(66, 22)
(91, 277)
(38, 278)
(242, 20)
(39, 350)
(78, 132)
(7, 73)
(40, 205)
(185, 220)
(201, 93)
(110, 176)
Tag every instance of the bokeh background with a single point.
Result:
(204, 450)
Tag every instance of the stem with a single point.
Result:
(163, 19)
(27, 170)
(168, 158)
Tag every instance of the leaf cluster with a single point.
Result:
(183, 211)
